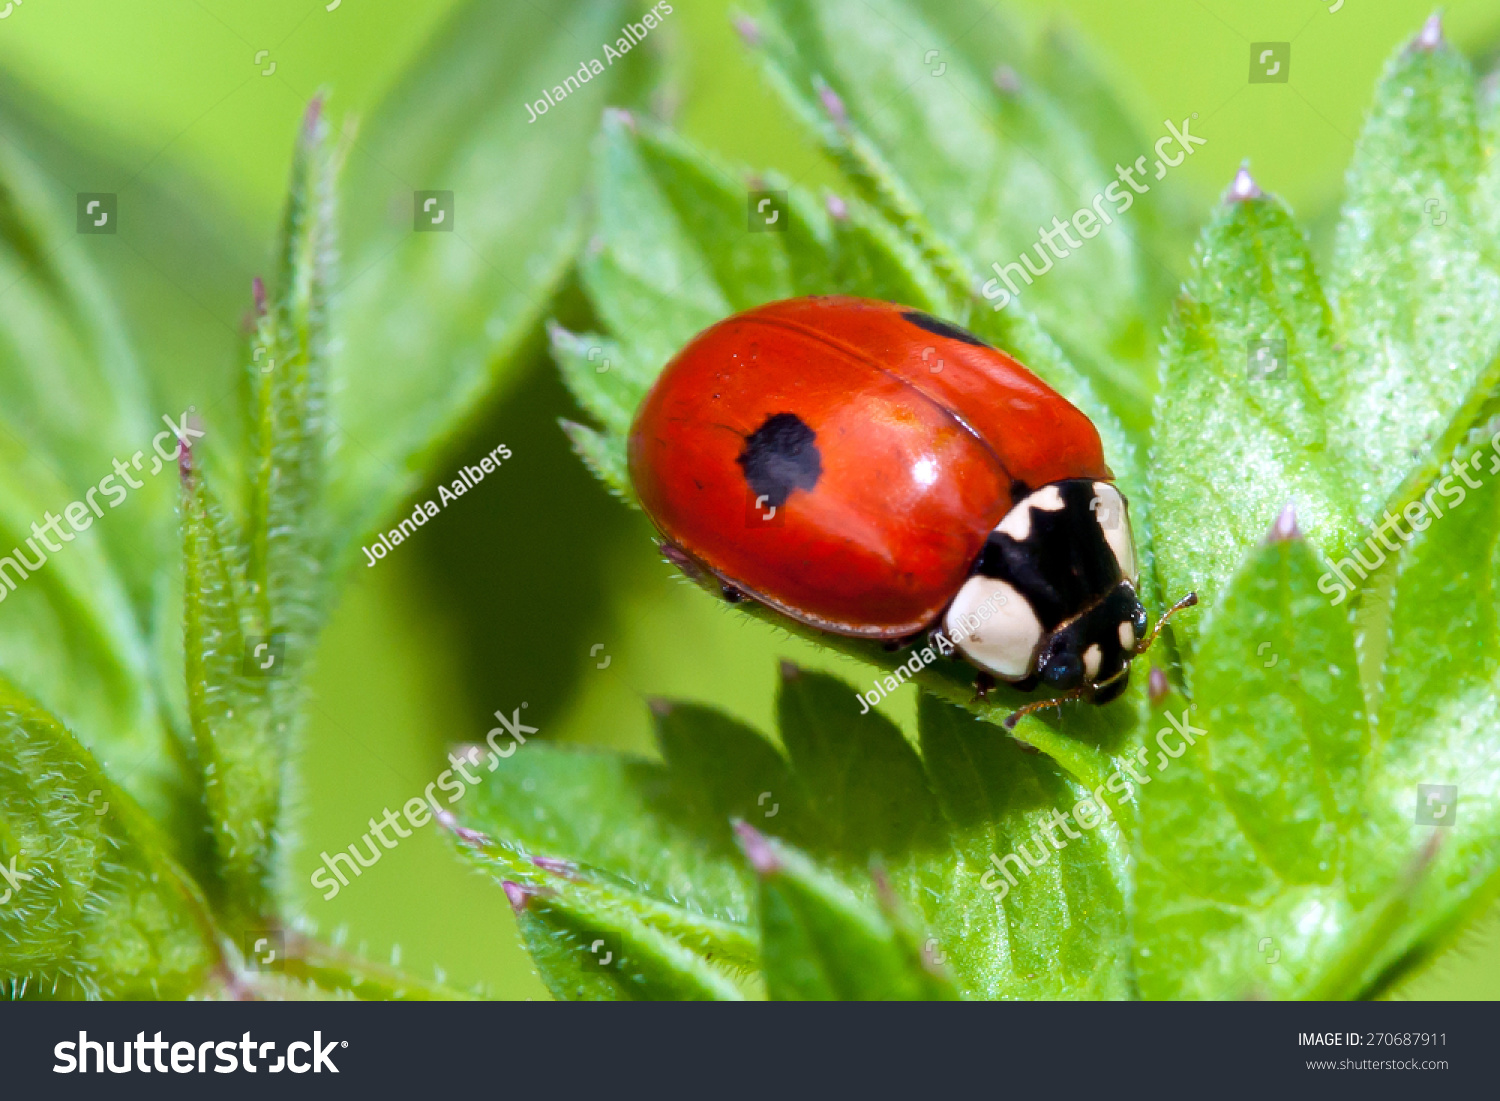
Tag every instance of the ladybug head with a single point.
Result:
(1092, 651)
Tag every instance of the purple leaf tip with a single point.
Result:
(258, 292)
(463, 833)
(790, 670)
(619, 115)
(1243, 187)
(1430, 37)
(749, 33)
(838, 210)
(833, 105)
(1007, 80)
(554, 865)
(757, 849)
(1285, 527)
(516, 894)
(312, 118)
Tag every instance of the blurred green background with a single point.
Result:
(538, 587)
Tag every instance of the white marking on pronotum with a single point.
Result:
(1127, 635)
(1005, 644)
(1109, 511)
(1017, 522)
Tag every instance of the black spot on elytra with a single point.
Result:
(780, 456)
(1019, 491)
(942, 328)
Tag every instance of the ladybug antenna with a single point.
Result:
(1186, 602)
(1021, 712)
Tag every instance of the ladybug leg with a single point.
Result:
(731, 594)
(1015, 716)
(984, 682)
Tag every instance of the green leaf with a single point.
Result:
(597, 940)
(1416, 278)
(565, 804)
(1437, 717)
(584, 358)
(445, 314)
(1252, 867)
(1018, 917)
(822, 943)
(90, 905)
(71, 388)
(647, 277)
(852, 795)
(1162, 227)
(970, 170)
(1244, 398)
(240, 752)
(262, 592)
(68, 632)
(862, 780)
(671, 879)
(73, 405)
(332, 971)
(872, 260)
(726, 771)
(288, 375)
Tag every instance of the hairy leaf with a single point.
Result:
(240, 753)
(89, 905)
(1436, 754)
(1244, 400)
(76, 426)
(253, 602)
(601, 940)
(289, 382)
(975, 164)
(1021, 916)
(1251, 862)
(821, 943)
(1416, 277)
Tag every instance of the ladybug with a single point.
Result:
(875, 472)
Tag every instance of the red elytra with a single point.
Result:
(844, 460)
